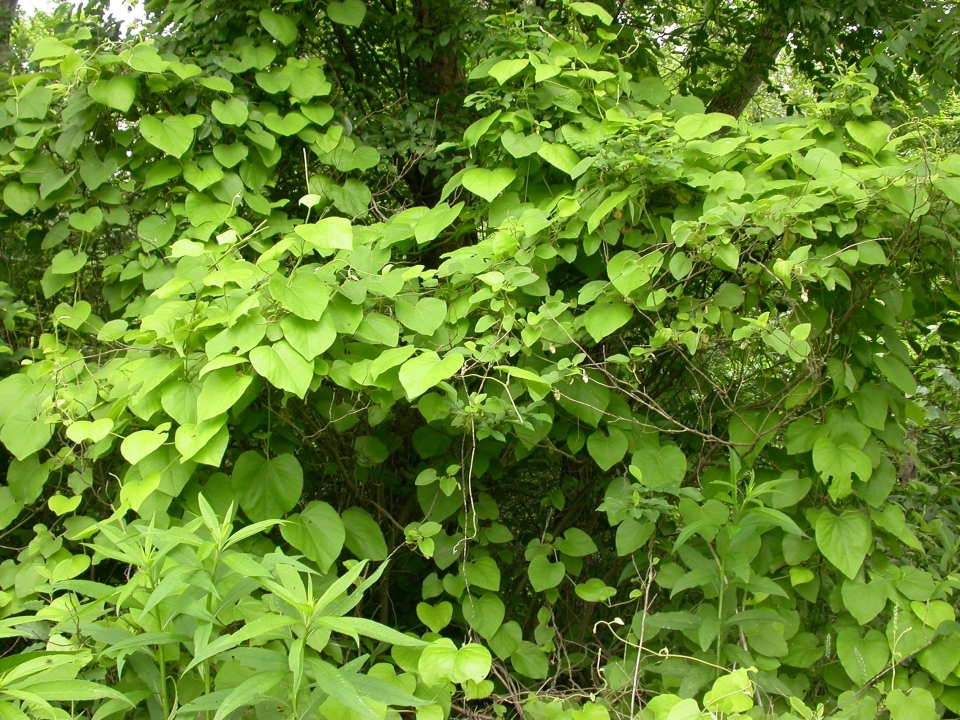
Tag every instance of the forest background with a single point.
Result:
(425, 358)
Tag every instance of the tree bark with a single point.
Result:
(8, 14)
(742, 84)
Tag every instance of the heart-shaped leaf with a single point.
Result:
(862, 658)
(424, 371)
(520, 145)
(199, 178)
(267, 489)
(844, 539)
(136, 446)
(20, 198)
(290, 124)
(280, 26)
(488, 183)
(435, 617)
(864, 600)
(283, 366)
(173, 135)
(484, 614)
(87, 431)
(348, 12)
(88, 221)
(607, 450)
(231, 112)
(545, 574)
(117, 92)
(230, 155)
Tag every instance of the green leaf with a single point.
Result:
(426, 370)
(864, 600)
(632, 535)
(436, 662)
(594, 590)
(289, 124)
(575, 543)
(530, 660)
(221, 391)
(605, 318)
(837, 464)
(699, 125)
(844, 539)
(472, 662)
(309, 337)
(589, 9)
(88, 221)
(118, 92)
(477, 130)
(348, 12)
(317, 532)
(27, 478)
(364, 538)
(435, 221)
(232, 112)
(862, 658)
(249, 692)
(545, 574)
(20, 198)
(87, 431)
(918, 705)
(136, 446)
(267, 489)
(173, 135)
(304, 293)
(607, 450)
(482, 573)
(560, 156)
(280, 26)
(872, 135)
(424, 317)
(332, 233)
(731, 693)
(520, 145)
(436, 617)
(283, 366)
(66, 262)
(484, 614)
(660, 467)
(488, 183)
(331, 681)
(897, 373)
(230, 155)
(506, 69)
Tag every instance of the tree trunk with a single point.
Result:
(742, 84)
(8, 14)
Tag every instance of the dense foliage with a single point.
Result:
(595, 404)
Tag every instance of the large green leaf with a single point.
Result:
(424, 371)
(280, 26)
(424, 316)
(283, 366)
(844, 539)
(488, 183)
(304, 293)
(117, 92)
(317, 532)
(267, 488)
(172, 134)
(838, 463)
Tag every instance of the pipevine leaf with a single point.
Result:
(348, 12)
(267, 488)
(844, 539)
(173, 134)
(117, 92)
